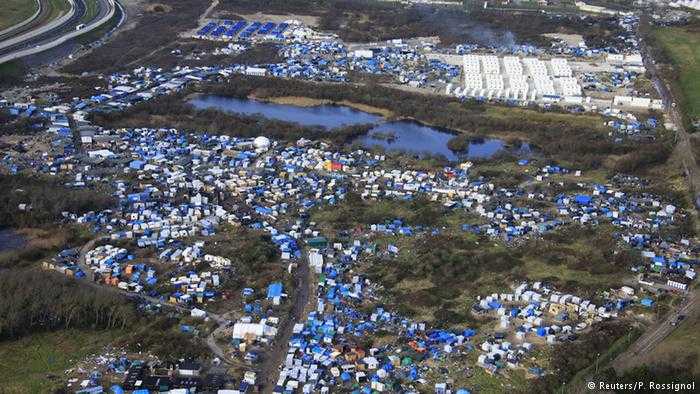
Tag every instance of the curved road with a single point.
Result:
(52, 36)
(41, 12)
(77, 8)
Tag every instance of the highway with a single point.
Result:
(653, 336)
(41, 12)
(56, 32)
(37, 32)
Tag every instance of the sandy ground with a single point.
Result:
(33, 144)
(310, 102)
(571, 39)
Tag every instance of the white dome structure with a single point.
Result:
(261, 142)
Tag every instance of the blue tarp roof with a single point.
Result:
(583, 199)
(274, 290)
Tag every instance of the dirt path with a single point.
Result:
(274, 356)
(207, 13)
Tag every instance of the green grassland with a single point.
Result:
(36, 363)
(58, 8)
(90, 11)
(683, 345)
(12, 73)
(16, 11)
(682, 46)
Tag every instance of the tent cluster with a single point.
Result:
(531, 314)
(326, 351)
(116, 267)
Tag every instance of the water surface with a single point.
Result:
(415, 138)
(328, 116)
(405, 135)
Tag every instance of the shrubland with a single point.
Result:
(36, 301)
(46, 199)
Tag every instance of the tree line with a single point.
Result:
(38, 300)
(45, 199)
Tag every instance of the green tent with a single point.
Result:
(317, 242)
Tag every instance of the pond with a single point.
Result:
(328, 116)
(413, 137)
(10, 240)
(401, 135)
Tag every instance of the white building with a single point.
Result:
(256, 71)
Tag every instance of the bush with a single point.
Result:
(678, 371)
(570, 358)
(38, 300)
(10, 125)
(157, 335)
(254, 257)
(47, 197)
(12, 73)
(644, 157)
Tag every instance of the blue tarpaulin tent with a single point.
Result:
(274, 290)
(116, 389)
(583, 199)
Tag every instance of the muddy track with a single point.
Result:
(274, 356)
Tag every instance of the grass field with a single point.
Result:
(36, 364)
(682, 45)
(11, 73)
(58, 8)
(91, 11)
(616, 348)
(682, 345)
(16, 11)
